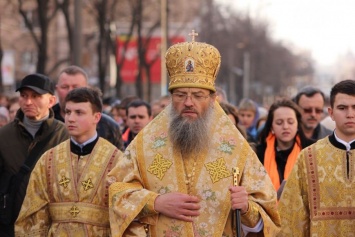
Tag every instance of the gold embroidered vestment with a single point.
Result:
(67, 196)
(151, 166)
(319, 198)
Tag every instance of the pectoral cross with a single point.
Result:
(193, 35)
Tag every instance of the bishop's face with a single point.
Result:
(190, 117)
(192, 103)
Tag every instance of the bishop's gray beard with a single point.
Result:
(191, 137)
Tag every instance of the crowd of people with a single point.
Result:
(187, 164)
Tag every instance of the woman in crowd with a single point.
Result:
(281, 141)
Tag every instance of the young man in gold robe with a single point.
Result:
(67, 194)
(319, 198)
(175, 178)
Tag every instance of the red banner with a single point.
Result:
(129, 70)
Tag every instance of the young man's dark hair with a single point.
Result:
(344, 87)
(84, 94)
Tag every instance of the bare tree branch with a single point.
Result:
(28, 23)
(58, 64)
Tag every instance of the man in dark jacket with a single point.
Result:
(74, 77)
(33, 132)
(311, 101)
(139, 114)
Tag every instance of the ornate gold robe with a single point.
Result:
(319, 198)
(151, 166)
(67, 196)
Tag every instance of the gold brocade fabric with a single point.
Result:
(67, 196)
(150, 166)
(319, 199)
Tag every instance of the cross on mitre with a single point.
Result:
(193, 35)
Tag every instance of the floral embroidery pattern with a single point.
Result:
(209, 195)
(128, 205)
(159, 166)
(218, 170)
(201, 230)
(164, 190)
(160, 140)
(174, 231)
(227, 146)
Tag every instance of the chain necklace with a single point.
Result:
(189, 177)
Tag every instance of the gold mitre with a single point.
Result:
(192, 64)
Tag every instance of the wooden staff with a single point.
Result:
(237, 211)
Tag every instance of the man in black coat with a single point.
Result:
(23, 141)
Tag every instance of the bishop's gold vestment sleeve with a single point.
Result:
(262, 198)
(130, 205)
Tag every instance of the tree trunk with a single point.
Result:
(140, 50)
(43, 43)
(102, 44)
(1, 80)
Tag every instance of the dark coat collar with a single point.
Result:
(87, 149)
(339, 145)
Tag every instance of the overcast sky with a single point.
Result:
(325, 27)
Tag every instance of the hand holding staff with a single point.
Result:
(237, 211)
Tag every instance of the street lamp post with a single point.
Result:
(246, 67)
(246, 74)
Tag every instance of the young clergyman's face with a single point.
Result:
(80, 120)
(343, 113)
